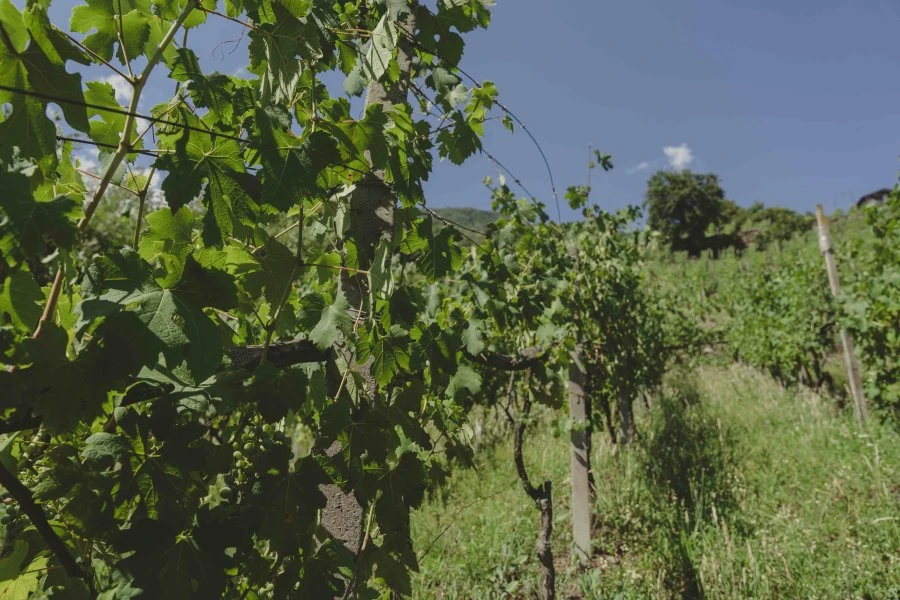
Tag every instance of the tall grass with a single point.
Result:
(736, 488)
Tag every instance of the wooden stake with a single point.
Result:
(581, 461)
(853, 369)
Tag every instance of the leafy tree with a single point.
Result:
(774, 224)
(683, 205)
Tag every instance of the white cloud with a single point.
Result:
(88, 158)
(141, 125)
(680, 157)
(121, 87)
(643, 166)
(86, 164)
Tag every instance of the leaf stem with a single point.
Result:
(142, 197)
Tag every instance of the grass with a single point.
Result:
(737, 488)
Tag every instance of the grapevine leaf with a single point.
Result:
(275, 263)
(71, 395)
(103, 449)
(275, 48)
(389, 351)
(277, 391)
(298, 8)
(474, 338)
(291, 504)
(110, 125)
(25, 125)
(291, 165)
(460, 141)
(30, 222)
(13, 27)
(214, 91)
(200, 156)
(432, 345)
(193, 344)
(206, 287)
(112, 282)
(334, 321)
(443, 81)
(466, 379)
(381, 276)
(167, 242)
(354, 84)
(381, 49)
(21, 299)
(16, 582)
(394, 573)
(442, 256)
(41, 67)
(458, 95)
(102, 17)
(174, 316)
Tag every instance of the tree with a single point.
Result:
(775, 223)
(682, 205)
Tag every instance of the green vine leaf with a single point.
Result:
(103, 449)
(334, 321)
(21, 299)
(102, 17)
(381, 50)
(30, 223)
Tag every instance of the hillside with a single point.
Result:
(469, 218)
(784, 501)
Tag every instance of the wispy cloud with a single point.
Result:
(642, 166)
(121, 87)
(680, 157)
(88, 158)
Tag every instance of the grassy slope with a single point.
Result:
(738, 488)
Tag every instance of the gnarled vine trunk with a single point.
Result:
(543, 499)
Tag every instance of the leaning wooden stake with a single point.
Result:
(859, 401)
(581, 461)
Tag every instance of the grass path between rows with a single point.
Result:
(737, 488)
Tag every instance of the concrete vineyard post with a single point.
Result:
(581, 492)
(853, 369)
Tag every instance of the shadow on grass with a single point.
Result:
(689, 462)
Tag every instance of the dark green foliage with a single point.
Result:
(764, 226)
(871, 307)
(682, 206)
(782, 316)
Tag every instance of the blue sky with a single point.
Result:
(790, 103)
